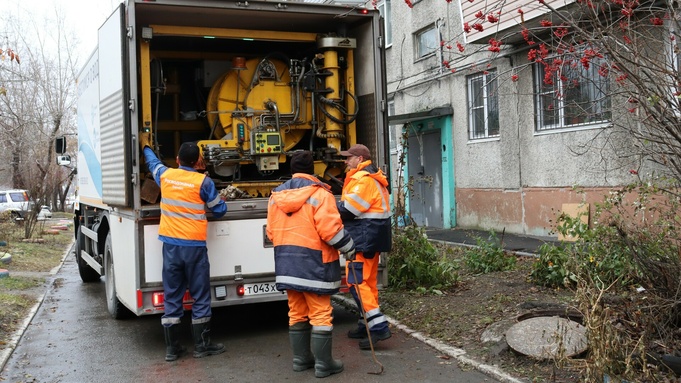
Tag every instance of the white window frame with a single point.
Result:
(552, 108)
(485, 85)
(384, 8)
(421, 51)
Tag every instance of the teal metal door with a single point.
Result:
(425, 175)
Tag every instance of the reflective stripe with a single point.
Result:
(347, 246)
(189, 205)
(383, 191)
(195, 217)
(360, 201)
(322, 328)
(337, 238)
(156, 169)
(214, 202)
(182, 209)
(384, 215)
(170, 321)
(201, 320)
(376, 321)
(307, 282)
(313, 201)
(375, 317)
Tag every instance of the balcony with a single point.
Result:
(503, 21)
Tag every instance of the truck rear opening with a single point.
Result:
(252, 83)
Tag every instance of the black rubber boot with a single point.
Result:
(202, 345)
(299, 335)
(358, 333)
(364, 344)
(173, 347)
(325, 365)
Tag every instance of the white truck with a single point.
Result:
(252, 82)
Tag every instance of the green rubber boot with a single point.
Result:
(299, 335)
(325, 365)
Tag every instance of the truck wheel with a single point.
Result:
(87, 273)
(116, 308)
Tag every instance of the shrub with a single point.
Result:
(415, 263)
(626, 272)
(489, 256)
(550, 269)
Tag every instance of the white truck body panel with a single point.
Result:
(126, 265)
(89, 185)
(227, 249)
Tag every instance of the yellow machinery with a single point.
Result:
(265, 107)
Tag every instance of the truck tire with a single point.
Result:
(115, 307)
(87, 273)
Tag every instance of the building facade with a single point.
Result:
(488, 146)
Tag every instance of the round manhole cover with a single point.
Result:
(543, 337)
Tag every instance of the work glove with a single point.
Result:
(349, 255)
(145, 140)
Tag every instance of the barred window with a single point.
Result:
(574, 94)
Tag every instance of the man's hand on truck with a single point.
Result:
(145, 140)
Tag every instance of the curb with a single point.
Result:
(456, 353)
(16, 337)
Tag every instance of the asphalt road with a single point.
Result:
(72, 339)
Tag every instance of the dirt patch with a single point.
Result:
(474, 315)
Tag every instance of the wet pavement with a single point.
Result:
(73, 339)
(513, 242)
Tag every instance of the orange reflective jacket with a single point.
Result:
(307, 233)
(365, 208)
(182, 209)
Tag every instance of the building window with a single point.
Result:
(572, 95)
(426, 41)
(384, 9)
(483, 105)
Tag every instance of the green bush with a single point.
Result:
(550, 269)
(415, 263)
(598, 254)
(489, 256)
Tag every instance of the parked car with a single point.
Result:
(44, 213)
(16, 201)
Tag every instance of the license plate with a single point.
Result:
(260, 288)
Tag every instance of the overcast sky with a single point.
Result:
(84, 17)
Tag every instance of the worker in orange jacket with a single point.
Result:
(307, 233)
(365, 210)
(185, 193)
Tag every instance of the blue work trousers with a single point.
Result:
(186, 267)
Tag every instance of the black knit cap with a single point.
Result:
(188, 153)
(302, 162)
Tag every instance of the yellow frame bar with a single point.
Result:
(145, 78)
(226, 33)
